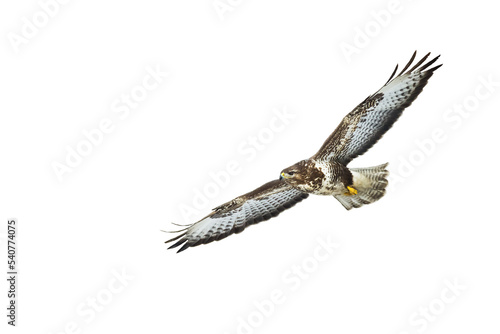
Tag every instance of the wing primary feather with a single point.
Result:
(181, 224)
(175, 238)
(184, 247)
(175, 231)
(429, 64)
(178, 243)
(434, 68)
(392, 75)
(409, 63)
(419, 63)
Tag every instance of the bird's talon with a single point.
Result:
(352, 191)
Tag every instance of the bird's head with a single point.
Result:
(294, 174)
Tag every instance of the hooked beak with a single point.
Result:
(282, 176)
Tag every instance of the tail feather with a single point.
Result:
(370, 182)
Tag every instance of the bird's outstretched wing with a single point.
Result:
(368, 122)
(263, 203)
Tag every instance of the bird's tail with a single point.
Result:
(370, 184)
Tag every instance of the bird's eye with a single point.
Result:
(291, 173)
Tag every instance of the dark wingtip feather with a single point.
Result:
(178, 243)
(430, 63)
(405, 70)
(434, 68)
(409, 63)
(392, 75)
(184, 247)
(175, 238)
(419, 63)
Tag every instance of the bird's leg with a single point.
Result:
(352, 191)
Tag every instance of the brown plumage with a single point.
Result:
(326, 172)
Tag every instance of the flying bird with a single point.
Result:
(326, 172)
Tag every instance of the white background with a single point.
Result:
(228, 71)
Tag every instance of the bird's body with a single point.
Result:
(326, 172)
(326, 178)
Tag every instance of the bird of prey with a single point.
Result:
(326, 172)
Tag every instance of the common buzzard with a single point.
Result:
(326, 172)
